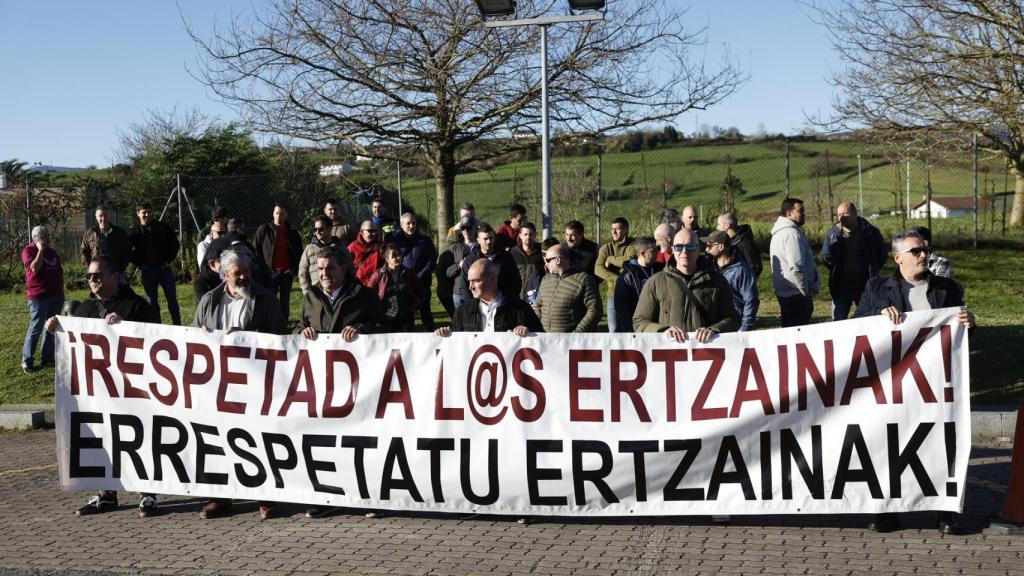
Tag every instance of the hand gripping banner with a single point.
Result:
(860, 416)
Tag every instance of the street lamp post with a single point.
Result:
(545, 127)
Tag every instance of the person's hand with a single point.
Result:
(702, 335)
(309, 333)
(113, 318)
(232, 330)
(676, 333)
(40, 245)
(520, 331)
(966, 317)
(349, 333)
(444, 331)
(892, 314)
(51, 324)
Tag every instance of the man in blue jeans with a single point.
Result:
(44, 288)
(854, 252)
(279, 246)
(153, 247)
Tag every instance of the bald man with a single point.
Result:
(854, 251)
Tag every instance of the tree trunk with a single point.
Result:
(443, 167)
(1017, 213)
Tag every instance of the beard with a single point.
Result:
(242, 291)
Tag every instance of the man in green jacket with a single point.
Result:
(684, 299)
(568, 299)
(610, 258)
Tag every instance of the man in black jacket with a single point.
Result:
(854, 252)
(112, 302)
(742, 240)
(911, 288)
(153, 247)
(490, 310)
(279, 247)
(486, 247)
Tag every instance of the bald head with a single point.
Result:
(663, 236)
(846, 215)
(690, 218)
(483, 279)
(686, 248)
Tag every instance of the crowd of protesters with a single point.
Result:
(380, 277)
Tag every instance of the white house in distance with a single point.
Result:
(944, 208)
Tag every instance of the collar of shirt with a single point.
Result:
(333, 296)
(488, 311)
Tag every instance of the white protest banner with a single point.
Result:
(858, 416)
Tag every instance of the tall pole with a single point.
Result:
(597, 205)
(399, 162)
(860, 183)
(545, 142)
(974, 146)
(181, 216)
(908, 188)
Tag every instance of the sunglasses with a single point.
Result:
(319, 229)
(90, 276)
(686, 247)
(369, 231)
(552, 258)
(918, 250)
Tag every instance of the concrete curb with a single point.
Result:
(988, 423)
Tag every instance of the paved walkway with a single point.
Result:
(39, 533)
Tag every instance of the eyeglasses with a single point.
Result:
(369, 230)
(90, 276)
(918, 250)
(693, 247)
(552, 258)
(319, 229)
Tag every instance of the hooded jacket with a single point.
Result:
(743, 244)
(744, 292)
(794, 271)
(627, 290)
(663, 303)
(610, 258)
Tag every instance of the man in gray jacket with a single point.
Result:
(794, 272)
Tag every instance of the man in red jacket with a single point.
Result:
(365, 250)
(508, 235)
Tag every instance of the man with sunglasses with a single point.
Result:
(112, 302)
(569, 298)
(912, 287)
(323, 237)
(685, 298)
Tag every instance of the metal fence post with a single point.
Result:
(399, 162)
(787, 168)
(974, 147)
(860, 185)
(597, 199)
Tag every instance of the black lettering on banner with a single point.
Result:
(900, 460)
(79, 443)
(690, 448)
(118, 447)
(535, 474)
(854, 440)
(203, 451)
(790, 452)
(289, 462)
(596, 477)
(171, 451)
(766, 465)
(396, 454)
(248, 480)
(435, 446)
(465, 473)
(360, 444)
(639, 448)
(310, 441)
(729, 449)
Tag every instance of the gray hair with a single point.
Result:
(38, 231)
(729, 217)
(897, 240)
(232, 257)
(407, 216)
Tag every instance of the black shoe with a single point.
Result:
(949, 524)
(320, 511)
(102, 502)
(27, 367)
(886, 522)
(147, 506)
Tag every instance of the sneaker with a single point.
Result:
(320, 511)
(102, 502)
(374, 514)
(524, 520)
(27, 367)
(215, 509)
(147, 506)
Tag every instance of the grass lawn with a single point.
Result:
(992, 280)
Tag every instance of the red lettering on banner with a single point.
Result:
(630, 387)
(805, 367)
(907, 362)
(227, 377)
(717, 358)
(124, 343)
(783, 352)
(191, 377)
(528, 382)
(346, 358)
(171, 348)
(271, 356)
(670, 357)
(577, 383)
(304, 373)
(862, 352)
(442, 412)
(750, 364)
(394, 368)
(101, 364)
(490, 368)
(74, 366)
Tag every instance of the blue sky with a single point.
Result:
(75, 72)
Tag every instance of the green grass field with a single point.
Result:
(992, 280)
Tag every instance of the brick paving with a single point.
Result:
(39, 534)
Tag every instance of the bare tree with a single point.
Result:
(401, 78)
(926, 70)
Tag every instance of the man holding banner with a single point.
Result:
(112, 302)
(490, 310)
(912, 288)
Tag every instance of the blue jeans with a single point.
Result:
(281, 285)
(152, 278)
(841, 304)
(457, 300)
(39, 310)
(613, 323)
(796, 310)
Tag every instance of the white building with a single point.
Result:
(944, 208)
